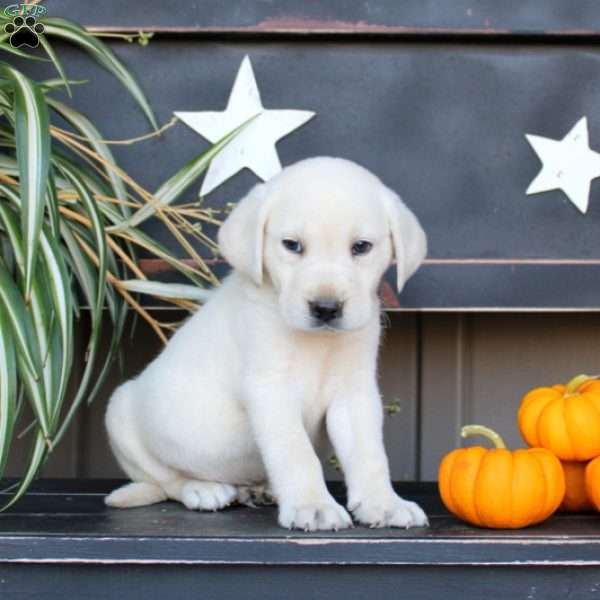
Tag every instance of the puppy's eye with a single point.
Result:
(361, 247)
(293, 246)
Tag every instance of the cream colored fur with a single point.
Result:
(251, 389)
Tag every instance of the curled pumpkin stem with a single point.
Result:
(577, 381)
(490, 434)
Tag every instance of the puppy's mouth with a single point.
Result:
(332, 326)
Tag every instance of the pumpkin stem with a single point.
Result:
(577, 381)
(490, 434)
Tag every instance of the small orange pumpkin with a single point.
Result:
(499, 488)
(576, 497)
(563, 419)
(592, 482)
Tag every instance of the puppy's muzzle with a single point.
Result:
(325, 310)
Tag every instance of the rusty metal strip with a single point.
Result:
(152, 266)
(314, 27)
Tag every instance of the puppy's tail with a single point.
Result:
(139, 493)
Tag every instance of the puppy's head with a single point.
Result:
(321, 233)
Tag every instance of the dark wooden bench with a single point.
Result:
(62, 542)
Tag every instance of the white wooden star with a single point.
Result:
(568, 164)
(254, 146)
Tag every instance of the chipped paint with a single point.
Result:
(304, 26)
(151, 266)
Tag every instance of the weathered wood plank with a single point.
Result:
(314, 17)
(78, 528)
(298, 582)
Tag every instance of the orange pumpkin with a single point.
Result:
(499, 488)
(576, 497)
(563, 419)
(592, 482)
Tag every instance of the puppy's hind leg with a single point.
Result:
(153, 481)
(143, 469)
(137, 493)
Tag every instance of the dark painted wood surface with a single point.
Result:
(380, 17)
(62, 542)
(298, 582)
(67, 521)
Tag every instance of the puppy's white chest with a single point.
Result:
(315, 386)
(314, 409)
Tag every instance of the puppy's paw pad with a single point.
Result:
(315, 517)
(419, 518)
(391, 512)
(207, 495)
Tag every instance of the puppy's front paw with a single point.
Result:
(327, 515)
(207, 495)
(391, 511)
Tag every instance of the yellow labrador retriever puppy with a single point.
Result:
(281, 355)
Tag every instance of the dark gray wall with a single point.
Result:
(434, 97)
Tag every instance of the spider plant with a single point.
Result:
(69, 237)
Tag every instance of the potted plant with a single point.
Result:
(70, 236)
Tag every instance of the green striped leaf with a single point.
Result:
(40, 390)
(60, 292)
(36, 459)
(93, 183)
(33, 158)
(88, 278)
(17, 51)
(118, 310)
(53, 84)
(41, 393)
(6, 250)
(20, 320)
(51, 301)
(24, 333)
(167, 290)
(178, 183)
(47, 46)
(97, 231)
(8, 165)
(75, 34)
(8, 389)
(92, 135)
(52, 206)
(160, 251)
(82, 267)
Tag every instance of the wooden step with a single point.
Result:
(61, 538)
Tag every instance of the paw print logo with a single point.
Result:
(24, 31)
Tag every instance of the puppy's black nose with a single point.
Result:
(325, 309)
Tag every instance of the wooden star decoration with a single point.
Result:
(568, 164)
(254, 147)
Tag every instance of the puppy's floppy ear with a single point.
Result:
(408, 238)
(241, 236)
